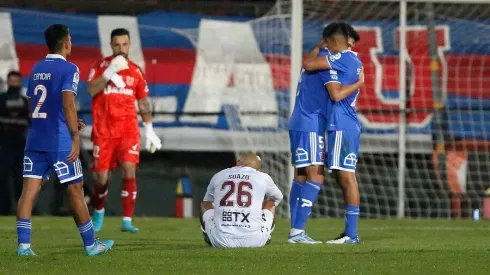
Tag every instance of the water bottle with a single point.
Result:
(476, 214)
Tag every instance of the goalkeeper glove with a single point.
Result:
(152, 141)
(118, 81)
(117, 64)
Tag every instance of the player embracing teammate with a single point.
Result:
(332, 65)
(115, 83)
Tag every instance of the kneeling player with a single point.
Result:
(238, 208)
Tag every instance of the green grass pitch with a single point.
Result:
(175, 246)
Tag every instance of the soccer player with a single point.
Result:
(307, 128)
(115, 83)
(343, 130)
(238, 208)
(53, 142)
(315, 62)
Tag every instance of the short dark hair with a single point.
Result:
(353, 33)
(336, 28)
(54, 35)
(119, 32)
(14, 73)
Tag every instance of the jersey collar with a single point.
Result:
(350, 51)
(52, 55)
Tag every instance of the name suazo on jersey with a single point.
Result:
(113, 109)
(238, 194)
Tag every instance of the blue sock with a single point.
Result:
(87, 233)
(305, 204)
(351, 218)
(24, 229)
(293, 199)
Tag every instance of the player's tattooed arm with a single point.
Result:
(145, 109)
(338, 92)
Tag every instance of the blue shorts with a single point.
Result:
(307, 148)
(38, 165)
(343, 149)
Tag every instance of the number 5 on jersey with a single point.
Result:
(44, 92)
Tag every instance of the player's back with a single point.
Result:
(342, 114)
(309, 113)
(48, 130)
(238, 197)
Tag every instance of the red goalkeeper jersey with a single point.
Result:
(113, 109)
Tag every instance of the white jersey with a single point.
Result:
(238, 194)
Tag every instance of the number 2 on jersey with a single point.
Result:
(241, 194)
(44, 92)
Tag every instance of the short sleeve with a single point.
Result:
(339, 61)
(209, 196)
(95, 71)
(71, 79)
(328, 76)
(142, 87)
(272, 191)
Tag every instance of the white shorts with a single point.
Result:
(218, 240)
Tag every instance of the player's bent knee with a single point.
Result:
(102, 177)
(128, 169)
(345, 178)
(74, 188)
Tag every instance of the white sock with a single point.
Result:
(127, 219)
(295, 231)
(100, 211)
(25, 245)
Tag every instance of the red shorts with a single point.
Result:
(108, 152)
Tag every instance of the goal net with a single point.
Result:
(444, 131)
(427, 145)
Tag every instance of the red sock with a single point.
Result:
(128, 197)
(100, 196)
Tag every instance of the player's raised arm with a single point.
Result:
(338, 92)
(315, 63)
(97, 83)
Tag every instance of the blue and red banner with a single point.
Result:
(200, 64)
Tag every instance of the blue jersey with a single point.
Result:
(310, 113)
(49, 79)
(345, 68)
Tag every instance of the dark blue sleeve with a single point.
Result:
(339, 61)
(70, 79)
